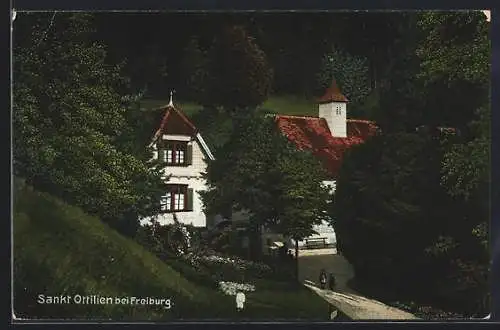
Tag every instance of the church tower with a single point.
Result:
(333, 108)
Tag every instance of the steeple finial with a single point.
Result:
(171, 102)
(332, 94)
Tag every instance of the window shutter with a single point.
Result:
(163, 155)
(189, 154)
(189, 199)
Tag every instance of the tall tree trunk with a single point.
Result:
(255, 242)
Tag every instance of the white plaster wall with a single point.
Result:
(197, 167)
(192, 176)
(336, 123)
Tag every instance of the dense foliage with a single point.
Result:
(195, 71)
(454, 75)
(215, 126)
(389, 207)
(294, 42)
(351, 74)
(421, 197)
(70, 119)
(239, 75)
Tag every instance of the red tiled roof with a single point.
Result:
(312, 133)
(332, 94)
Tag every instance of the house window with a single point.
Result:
(177, 198)
(339, 110)
(174, 153)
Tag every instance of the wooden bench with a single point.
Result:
(310, 242)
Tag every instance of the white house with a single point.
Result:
(183, 153)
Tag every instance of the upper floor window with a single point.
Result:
(175, 153)
(338, 110)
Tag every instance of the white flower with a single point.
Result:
(231, 288)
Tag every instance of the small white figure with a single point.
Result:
(240, 301)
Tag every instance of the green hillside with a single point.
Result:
(60, 250)
(289, 105)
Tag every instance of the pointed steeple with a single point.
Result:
(332, 94)
(171, 102)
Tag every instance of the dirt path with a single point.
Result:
(361, 308)
(312, 261)
(343, 298)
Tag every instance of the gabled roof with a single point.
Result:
(312, 133)
(332, 94)
(174, 122)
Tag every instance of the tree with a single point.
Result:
(400, 105)
(69, 119)
(302, 200)
(389, 196)
(465, 175)
(195, 66)
(438, 74)
(150, 71)
(375, 36)
(351, 73)
(454, 55)
(260, 171)
(215, 125)
(425, 195)
(240, 76)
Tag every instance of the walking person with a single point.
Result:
(322, 279)
(240, 301)
(331, 281)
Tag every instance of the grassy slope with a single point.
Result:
(283, 104)
(289, 105)
(60, 250)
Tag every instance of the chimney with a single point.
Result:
(333, 108)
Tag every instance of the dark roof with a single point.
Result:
(175, 122)
(312, 133)
(332, 94)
